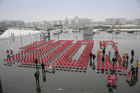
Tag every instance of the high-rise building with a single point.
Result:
(84, 22)
(73, 22)
(66, 21)
(76, 19)
(60, 22)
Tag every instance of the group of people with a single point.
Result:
(134, 68)
(36, 75)
(42, 65)
(115, 58)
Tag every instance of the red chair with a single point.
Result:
(109, 77)
(125, 68)
(128, 74)
(115, 78)
(116, 67)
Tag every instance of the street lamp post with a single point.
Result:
(20, 37)
(112, 35)
(10, 39)
(112, 31)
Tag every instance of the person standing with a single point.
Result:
(131, 60)
(124, 59)
(103, 58)
(114, 61)
(36, 62)
(127, 57)
(103, 51)
(36, 75)
(116, 53)
(132, 70)
(7, 52)
(44, 76)
(93, 57)
(98, 52)
(137, 67)
(11, 52)
(43, 67)
(132, 52)
(90, 56)
(109, 54)
(1, 90)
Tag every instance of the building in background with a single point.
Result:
(66, 21)
(55, 22)
(116, 21)
(76, 19)
(87, 33)
(12, 23)
(60, 22)
(137, 21)
(84, 22)
(72, 22)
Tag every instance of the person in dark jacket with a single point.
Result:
(94, 57)
(43, 67)
(90, 54)
(114, 61)
(127, 57)
(36, 62)
(36, 75)
(103, 59)
(132, 70)
(109, 54)
(7, 52)
(103, 51)
(132, 52)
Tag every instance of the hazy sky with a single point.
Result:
(38, 10)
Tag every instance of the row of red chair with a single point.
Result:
(19, 55)
(107, 61)
(55, 52)
(111, 80)
(63, 61)
(58, 49)
(32, 44)
(45, 49)
(64, 58)
(36, 47)
(85, 55)
(36, 54)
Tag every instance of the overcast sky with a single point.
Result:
(38, 10)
